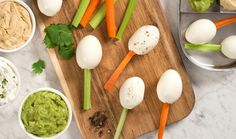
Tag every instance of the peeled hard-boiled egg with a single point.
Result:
(89, 52)
(144, 39)
(201, 31)
(169, 87)
(229, 47)
(49, 7)
(132, 92)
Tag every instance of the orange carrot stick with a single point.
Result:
(89, 12)
(163, 120)
(110, 18)
(225, 22)
(109, 84)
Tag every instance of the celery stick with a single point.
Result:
(99, 16)
(87, 89)
(127, 17)
(121, 123)
(203, 47)
(80, 12)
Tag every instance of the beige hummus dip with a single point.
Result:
(15, 25)
(228, 4)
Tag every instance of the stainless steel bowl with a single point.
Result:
(214, 61)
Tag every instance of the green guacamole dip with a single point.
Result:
(200, 5)
(44, 114)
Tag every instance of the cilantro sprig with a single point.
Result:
(38, 67)
(60, 36)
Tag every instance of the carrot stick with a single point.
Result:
(110, 18)
(225, 22)
(163, 120)
(109, 84)
(89, 12)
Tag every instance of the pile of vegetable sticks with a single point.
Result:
(90, 13)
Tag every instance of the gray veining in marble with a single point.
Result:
(213, 116)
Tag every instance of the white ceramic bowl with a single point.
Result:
(13, 67)
(68, 106)
(33, 26)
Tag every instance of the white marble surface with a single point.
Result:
(213, 116)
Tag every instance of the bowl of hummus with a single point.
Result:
(17, 25)
(45, 114)
(9, 82)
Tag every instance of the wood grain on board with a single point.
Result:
(145, 117)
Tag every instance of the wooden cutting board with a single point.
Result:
(145, 117)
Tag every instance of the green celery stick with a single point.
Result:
(80, 12)
(87, 89)
(127, 17)
(203, 47)
(121, 123)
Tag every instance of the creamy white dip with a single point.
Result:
(8, 83)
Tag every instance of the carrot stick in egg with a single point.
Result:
(225, 22)
(110, 83)
(163, 120)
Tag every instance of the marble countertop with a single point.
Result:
(213, 116)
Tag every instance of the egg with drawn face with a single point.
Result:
(144, 39)
(132, 92)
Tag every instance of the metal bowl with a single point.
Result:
(214, 61)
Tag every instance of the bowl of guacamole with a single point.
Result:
(201, 5)
(45, 113)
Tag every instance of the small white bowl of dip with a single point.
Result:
(9, 82)
(63, 97)
(16, 35)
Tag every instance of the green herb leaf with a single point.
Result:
(2, 95)
(48, 42)
(70, 26)
(60, 34)
(4, 82)
(38, 67)
(66, 52)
